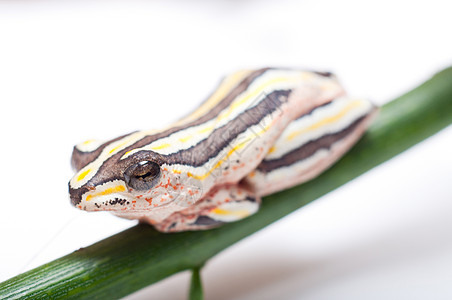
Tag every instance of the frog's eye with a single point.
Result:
(142, 176)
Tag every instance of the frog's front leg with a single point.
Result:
(226, 204)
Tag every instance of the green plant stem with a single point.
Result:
(196, 292)
(140, 256)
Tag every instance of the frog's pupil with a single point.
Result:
(145, 175)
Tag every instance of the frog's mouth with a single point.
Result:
(121, 204)
(115, 196)
(113, 193)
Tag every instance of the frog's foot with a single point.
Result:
(224, 205)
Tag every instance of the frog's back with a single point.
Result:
(233, 103)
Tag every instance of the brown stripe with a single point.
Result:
(222, 137)
(213, 113)
(308, 149)
(80, 159)
(112, 168)
(196, 156)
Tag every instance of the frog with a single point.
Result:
(261, 131)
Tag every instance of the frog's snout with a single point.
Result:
(75, 195)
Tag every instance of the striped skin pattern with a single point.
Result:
(261, 131)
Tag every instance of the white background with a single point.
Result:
(74, 70)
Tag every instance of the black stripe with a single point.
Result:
(205, 221)
(308, 149)
(196, 155)
(213, 113)
(81, 159)
(323, 74)
(113, 167)
(222, 137)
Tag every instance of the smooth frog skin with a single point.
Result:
(261, 131)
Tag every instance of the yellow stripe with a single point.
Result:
(323, 122)
(238, 213)
(218, 164)
(185, 138)
(202, 130)
(255, 93)
(83, 174)
(117, 147)
(115, 189)
(326, 121)
(88, 142)
(206, 129)
(162, 146)
(225, 87)
(128, 140)
(229, 83)
(263, 130)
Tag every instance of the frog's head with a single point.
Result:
(119, 176)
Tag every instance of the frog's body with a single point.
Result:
(260, 132)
